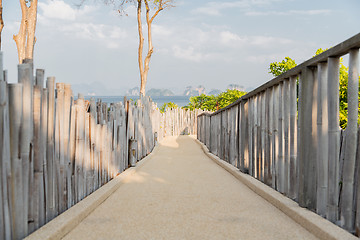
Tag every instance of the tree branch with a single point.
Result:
(141, 46)
(1, 21)
(20, 38)
(31, 27)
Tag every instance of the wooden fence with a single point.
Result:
(54, 150)
(297, 147)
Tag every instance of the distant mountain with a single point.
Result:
(214, 92)
(153, 92)
(94, 89)
(133, 92)
(191, 91)
(236, 87)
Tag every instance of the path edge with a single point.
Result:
(315, 224)
(68, 220)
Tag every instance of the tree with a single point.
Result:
(1, 21)
(158, 5)
(25, 39)
(166, 106)
(278, 68)
(214, 102)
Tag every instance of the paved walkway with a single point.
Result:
(182, 194)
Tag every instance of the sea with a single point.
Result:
(159, 100)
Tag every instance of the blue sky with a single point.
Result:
(196, 43)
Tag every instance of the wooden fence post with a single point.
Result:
(270, 106)
(37, 188)
(334, 139)
(68, 102)
(50, 188)
(293, 140)
(307, 165)
(267, 136)
(275, 172)
(6, 186)
(59, 148)
(322, 146)
(25, 76)
(280, 164)
(286, 98)
(347, 195)
(17, 190)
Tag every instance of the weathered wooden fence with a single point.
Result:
(54, 150)
(298, 148)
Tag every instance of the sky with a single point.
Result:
(200, 42)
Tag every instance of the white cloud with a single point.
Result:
(58, 9)
(291, 12)
(160, 31)
(108, 35)
(227, 37)
(215, 8)
(267, 41)
(189, 53)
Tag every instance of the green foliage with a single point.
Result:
(166, 106)
(320, 50)
(278, 68)
(214, 102)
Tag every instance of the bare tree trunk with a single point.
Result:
(141, 46)
(25, 39)
(20, 39)
(144, 69)
(31, 26)
(1, 21)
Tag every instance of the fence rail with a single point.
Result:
(54, 150)
(287, 135)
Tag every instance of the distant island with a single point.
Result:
(154, 92)
(189, 91)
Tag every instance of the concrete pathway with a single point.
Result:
(182, 194)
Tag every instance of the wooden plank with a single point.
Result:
(18, 223)
(66, 146)
(25, 76)
(79, 148)
(258, 137)
(334, 139)
(6, 187)
(245, 136)
(255, 138)
(275, 172)
(87, 160)
(357, 199)
(293, 140)
(263, 130)
(44, 129)
(286, 99)
(251, 135)
(50, 154)
(307, 166)
(39, 79)
(92, 143)
(98, 155)
(270, 123)
(347, 195)
(267, 151)
(59, 148)
(322, 146)
(280, 163)
(72, 153)
(37, 188)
